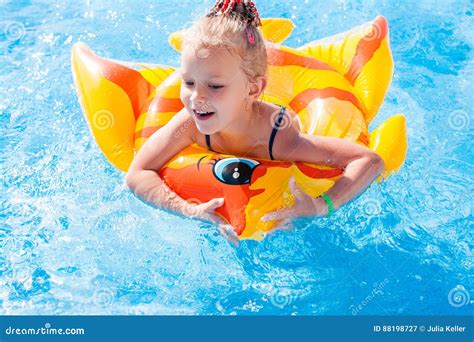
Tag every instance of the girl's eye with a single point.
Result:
(189, 83)
(216, 86)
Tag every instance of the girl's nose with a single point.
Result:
(198, 95)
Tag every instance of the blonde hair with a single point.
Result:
(235, 32)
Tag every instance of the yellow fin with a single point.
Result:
(106, 107)
(175, 39)
(276, 30)
(389, 141)
(154, 73)
(363, 56)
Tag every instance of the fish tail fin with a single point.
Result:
(363, 56)
(389, 141)
(112, 95)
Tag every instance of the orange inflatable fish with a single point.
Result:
(335, 86)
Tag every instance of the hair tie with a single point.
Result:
(250, 36)
(226, 7)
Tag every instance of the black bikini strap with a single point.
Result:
(275, 130)
(208, 142)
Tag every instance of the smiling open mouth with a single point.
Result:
(202, 115)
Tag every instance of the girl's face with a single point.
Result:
(214, 88)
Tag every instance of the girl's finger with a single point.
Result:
(214, 203)
(286, 225)
(216, 219)
(227, 231)
(300, 195)
(294, 187)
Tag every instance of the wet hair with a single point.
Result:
(232, 24)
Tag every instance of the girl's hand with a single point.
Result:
(305, 205)
(206, 211)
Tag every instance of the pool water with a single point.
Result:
(74, 240)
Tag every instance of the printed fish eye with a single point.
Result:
(234, 171)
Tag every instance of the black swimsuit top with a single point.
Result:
(272, 136)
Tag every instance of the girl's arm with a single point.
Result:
(361, 165)
(144, 181)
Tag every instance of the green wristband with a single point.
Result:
(328, 201)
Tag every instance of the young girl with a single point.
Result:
(223, 68)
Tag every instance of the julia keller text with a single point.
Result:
(445, 328)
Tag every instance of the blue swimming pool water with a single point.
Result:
(73, 240)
